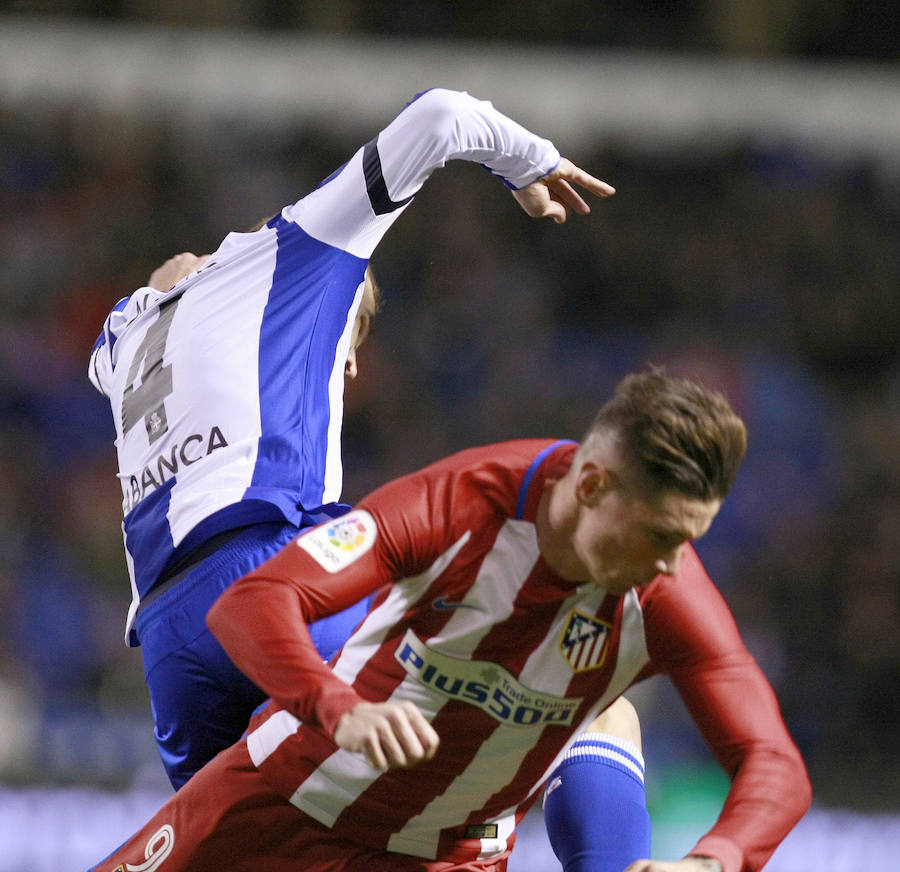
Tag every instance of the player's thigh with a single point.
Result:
(201, 704)
(202, 827)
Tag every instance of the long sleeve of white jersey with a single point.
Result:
(436, 127)
(354, 208)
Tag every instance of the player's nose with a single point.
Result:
(669, 564)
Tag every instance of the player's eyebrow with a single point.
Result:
(674, 533)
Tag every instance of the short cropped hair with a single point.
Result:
(683, 437)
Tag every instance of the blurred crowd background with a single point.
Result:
(767, 28)
(762, 268)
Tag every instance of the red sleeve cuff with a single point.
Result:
(334, 703)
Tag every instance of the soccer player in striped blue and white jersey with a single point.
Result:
(227, 396)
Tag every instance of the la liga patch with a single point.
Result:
(337, 544)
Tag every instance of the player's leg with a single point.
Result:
(190, 832)
(595, 804)
(227, 818)
(201, 702)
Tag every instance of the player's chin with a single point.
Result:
(618, 584)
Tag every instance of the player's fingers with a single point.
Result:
(426, 735)
(412, 733)
(374, 753)
(408, 749)
(656, 866)
(555, 210)
(390, 745)
(577, 176)
(539, 201)
(569, 197)
(548, 206)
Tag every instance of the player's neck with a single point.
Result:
(554, 524)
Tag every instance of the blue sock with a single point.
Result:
(595, 805)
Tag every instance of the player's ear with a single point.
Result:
(592, 483)
(350, 367)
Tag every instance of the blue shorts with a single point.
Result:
(201, 701)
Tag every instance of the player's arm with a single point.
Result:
(355, 207)
(693, 637)
(262, 621)
(464, 128)
(735, 709)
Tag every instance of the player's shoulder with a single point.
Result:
(506, 475)
(496, 474)
(514, 455)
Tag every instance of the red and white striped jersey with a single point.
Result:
(506, 660)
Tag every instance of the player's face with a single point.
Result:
(624, 538)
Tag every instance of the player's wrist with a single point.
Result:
(336, 702)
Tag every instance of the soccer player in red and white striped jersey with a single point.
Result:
(521, 588)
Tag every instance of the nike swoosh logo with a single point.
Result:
(442, 604)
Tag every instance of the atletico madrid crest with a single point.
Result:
(583, 641)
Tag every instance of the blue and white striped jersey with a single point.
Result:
(227, 390)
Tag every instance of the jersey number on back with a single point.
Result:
(147, 400)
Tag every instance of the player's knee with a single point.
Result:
(620, 720)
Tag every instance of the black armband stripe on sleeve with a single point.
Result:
(375, 186)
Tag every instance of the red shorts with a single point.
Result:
(227, 817)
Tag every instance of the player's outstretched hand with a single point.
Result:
(175, 269)
(688, 864)
(554, 196)
(390, 734)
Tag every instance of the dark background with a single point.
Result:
(860, 29)
(761, 267)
